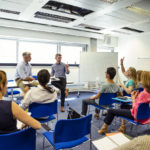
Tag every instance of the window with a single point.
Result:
(42, 53)
(7, 51)
(71, 54)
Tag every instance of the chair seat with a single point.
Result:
(52, 117)
(64, 145)
(132, 121)
(14, 92)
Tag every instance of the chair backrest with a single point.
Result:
(10, 80)
(43, 110)
(21, 140)
(143, 111)
(35, 77)
(140, 89)
(125, 93)
(72, 129)
(106, 98)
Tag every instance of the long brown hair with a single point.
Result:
(145, 79)
(132, 75)
(3, 79)
(43, 78)
(138, 74)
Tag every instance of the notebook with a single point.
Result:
(110, 142)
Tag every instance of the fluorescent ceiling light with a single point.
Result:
(138, 10)
(109, 1)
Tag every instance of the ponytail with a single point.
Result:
(49, 89)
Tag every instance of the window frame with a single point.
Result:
(59, 44)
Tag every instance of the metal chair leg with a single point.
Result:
(43, 142)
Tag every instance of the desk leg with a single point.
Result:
(12, 93)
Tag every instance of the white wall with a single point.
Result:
(133, 47)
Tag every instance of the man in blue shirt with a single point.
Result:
(24, 72)
(59, 70)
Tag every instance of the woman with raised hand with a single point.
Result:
(131, 76)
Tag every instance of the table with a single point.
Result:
(76, 87)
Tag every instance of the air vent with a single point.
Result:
(133, 30)
(120, 32)
(90, 27)
(66, 8)
(9, 11)
(48, 16)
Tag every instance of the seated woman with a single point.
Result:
(109, 87)
(138, 74)
(42, 93)
(137, 99)
(131, 75)
(10, 112)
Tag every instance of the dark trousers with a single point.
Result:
(124, 112)
(85, 104)
(62, 86)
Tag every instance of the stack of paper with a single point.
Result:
(110, 142)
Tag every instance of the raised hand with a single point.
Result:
(122, 60)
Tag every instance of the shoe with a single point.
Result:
(122, 129)
(102, 131)
(62, 109)
(96, 116)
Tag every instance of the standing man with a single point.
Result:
(59, 70)
(24, 72)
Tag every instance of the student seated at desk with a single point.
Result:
(131, 75)
(109, 87)
(138, 74)
(42, 93)
(137, 99)
(10, 112)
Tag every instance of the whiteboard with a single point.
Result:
(93, 65)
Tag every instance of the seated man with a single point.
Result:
(109, 87)
(24, 72)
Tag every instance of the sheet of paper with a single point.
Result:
(104, 144)
(119, 138)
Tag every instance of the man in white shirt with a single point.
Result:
(24, 72)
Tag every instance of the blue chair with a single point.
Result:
(35, 77)
(105, 101)
(126, 94)
(11, 91)
(143, 112)
(70, 133)
(44, 110)
(140, 89)
(21, 140)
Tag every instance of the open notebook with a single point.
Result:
(110, 142)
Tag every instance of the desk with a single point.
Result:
(122, 100)
(75, 87)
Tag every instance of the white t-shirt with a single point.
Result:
(38, 95)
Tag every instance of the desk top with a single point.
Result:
(122, 100)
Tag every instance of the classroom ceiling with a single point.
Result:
(115, 17)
